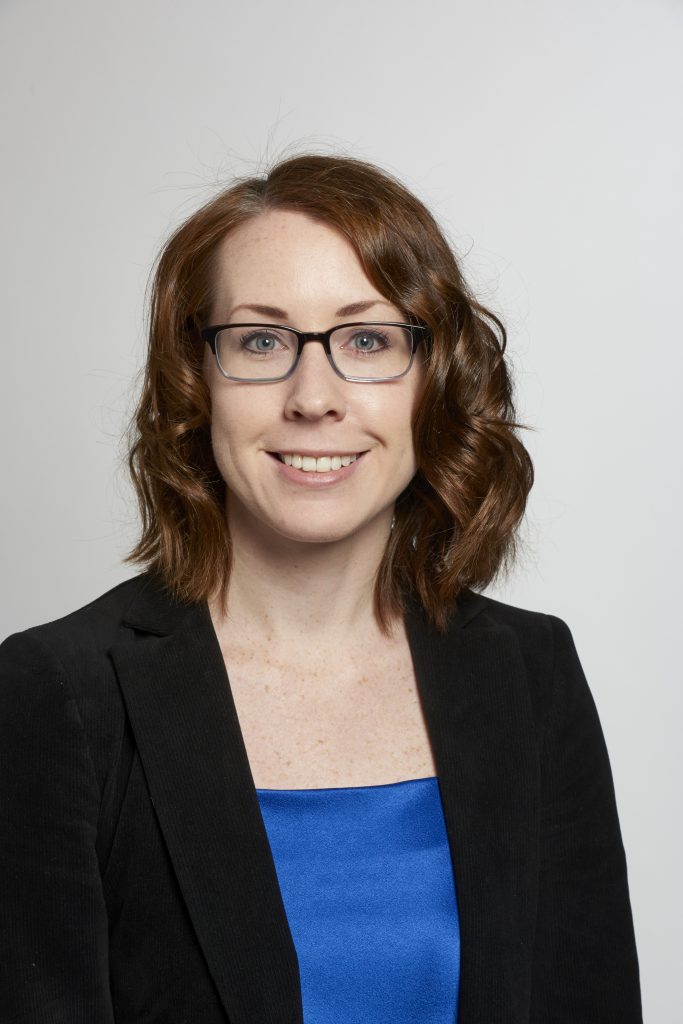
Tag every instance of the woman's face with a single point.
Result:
(309, 276)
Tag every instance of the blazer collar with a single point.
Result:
(472, 685)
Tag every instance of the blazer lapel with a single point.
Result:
(187, 732)
(472, 683)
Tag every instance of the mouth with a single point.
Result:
(317, 464)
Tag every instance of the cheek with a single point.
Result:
(237, 423)
(409, 410)
(405, 414)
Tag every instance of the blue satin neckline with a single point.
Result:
(368, 887)
(349, 789)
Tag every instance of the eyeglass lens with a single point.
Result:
(358, 350)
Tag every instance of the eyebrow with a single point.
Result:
(353, 309)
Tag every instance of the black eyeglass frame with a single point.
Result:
(417, 334)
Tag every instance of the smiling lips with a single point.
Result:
(321, 464)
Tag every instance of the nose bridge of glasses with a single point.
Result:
(321, 336)
(323, 339)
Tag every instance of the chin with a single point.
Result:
(315, 535)
(311, 532)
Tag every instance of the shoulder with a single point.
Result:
(536, 635)
(75, 646)
(545, 644)
(536, 632)
(85, 631)
(59, 674)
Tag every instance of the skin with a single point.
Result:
(304, 555)
(323, 697)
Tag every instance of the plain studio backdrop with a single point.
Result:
(545, 137)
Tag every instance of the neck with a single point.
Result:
(315, 595)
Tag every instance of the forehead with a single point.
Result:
(285, 252)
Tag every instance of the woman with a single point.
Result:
(299, 768)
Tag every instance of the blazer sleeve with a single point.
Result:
(53, 924)
(585, 960)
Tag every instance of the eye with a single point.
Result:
(263, 342)
(369, 341)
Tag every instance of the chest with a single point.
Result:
(346, 718)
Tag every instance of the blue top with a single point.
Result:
(367, 883)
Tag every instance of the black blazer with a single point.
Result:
(138, 882)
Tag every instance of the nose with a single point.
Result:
(314, 389)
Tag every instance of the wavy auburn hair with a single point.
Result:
(456, 523)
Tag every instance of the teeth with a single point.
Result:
(324, 464)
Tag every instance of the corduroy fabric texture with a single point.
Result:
(138, 881)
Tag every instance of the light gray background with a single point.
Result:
(545, 137)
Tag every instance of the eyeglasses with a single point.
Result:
(263, 353)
